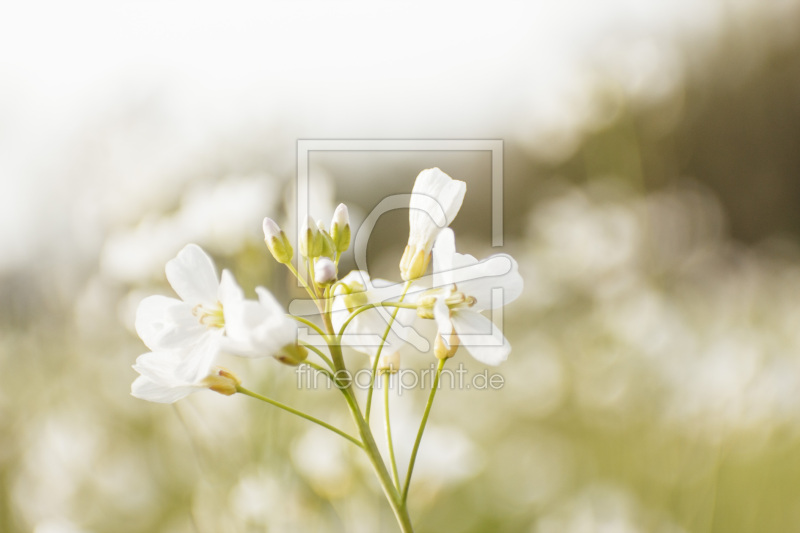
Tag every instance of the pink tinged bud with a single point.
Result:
(324, 271)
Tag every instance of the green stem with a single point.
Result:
(301, 414)
(318, 352)
(374, 456)
(370, 448)
(308, 323)
(389, 442)
(294, 271)
(435, 386)
(378, 354)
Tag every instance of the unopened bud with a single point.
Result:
(441, 349)
(324, 271)
(292, 354)
(277, 242)
(222, 381)
(325, 240)
(340, 229)
(310, 245)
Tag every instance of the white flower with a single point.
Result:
(464, 287)
(435, 201)
(261, 329)
(365, 331)
(165, 323)
(166, 379)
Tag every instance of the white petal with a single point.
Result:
(196, 363)
(494, 282)
(165, 323)
(435, 201)
(268, 301)
(484, 341)
(193, 276)
(442, 315)
(229, 291)
(145, 389)
(448, 193)
(258, 329)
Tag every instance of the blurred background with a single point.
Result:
(652, 200)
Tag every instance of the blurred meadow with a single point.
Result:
(652, 200)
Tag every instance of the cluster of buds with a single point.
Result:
(315, 243)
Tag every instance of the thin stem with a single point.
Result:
(351, 317)
(398, 304)
(294, 271)
(318, 352)
(308, 323)
(370, 448)
(435, 386)
(301, 414)
(321, 369)
(378, 354)
(374, 455)
(389, 442)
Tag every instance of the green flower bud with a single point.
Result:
(340, 229)
(277, 242)
(292, 354)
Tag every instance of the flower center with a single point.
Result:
(452, 298)
(209, 316)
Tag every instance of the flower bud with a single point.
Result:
(324, 271)
(441, 349)
(340, 229)
(310, 245)
(222, 381)
(292, 354)
(277, 242)
(325, 240)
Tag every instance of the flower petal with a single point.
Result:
(493, 282)
(258, 329)
(229, 291)
(146, 389)
(479, 335)
(442, 315)
(193, 276)
(435, 201)
(166, 323)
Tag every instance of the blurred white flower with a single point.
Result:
(463, 287)
(435, 201)
(165, 378)
(261, 329)
(165, 323)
